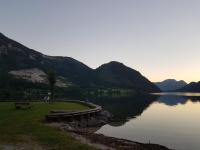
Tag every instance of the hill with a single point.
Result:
(191, 87)
(15, 56)
(22, 63)
(170, 84)
(115, 74)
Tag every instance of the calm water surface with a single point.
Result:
(172, 120)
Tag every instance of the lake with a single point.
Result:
(169, 119)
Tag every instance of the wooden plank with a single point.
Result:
(59, 115)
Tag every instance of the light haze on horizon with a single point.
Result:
(159, 38)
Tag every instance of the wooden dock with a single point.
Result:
(65, 115)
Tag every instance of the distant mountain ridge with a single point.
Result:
(15, 57)
(191, 87)
(171, 84)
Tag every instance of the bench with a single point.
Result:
(23, 105)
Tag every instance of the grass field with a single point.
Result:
(26, 126)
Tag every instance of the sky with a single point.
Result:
(159, 38)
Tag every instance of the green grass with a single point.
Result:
(23, 126)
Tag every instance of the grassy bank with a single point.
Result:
(26, 126)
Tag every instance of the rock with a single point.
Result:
(74, 124)
(105, 116)
(83, 123)
(93, 122)
(67, 127)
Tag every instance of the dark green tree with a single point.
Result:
(51, 77)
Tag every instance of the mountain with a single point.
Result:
(116, 74)
(15, 56)
(170, 84)
(191, 87)
(24, 63)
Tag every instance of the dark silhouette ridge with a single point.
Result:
(15, 56)
(191, 87)
(118, 75)
(170, 84)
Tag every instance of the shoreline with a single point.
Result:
(102, 142)
(83, 129)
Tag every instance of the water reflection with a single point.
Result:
(124, 108)
(170, 120)
(187, 94)
(173, 99)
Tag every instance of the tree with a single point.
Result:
(51, 77)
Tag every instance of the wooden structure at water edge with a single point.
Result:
(69, 116)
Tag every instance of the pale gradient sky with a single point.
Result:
(159, 38)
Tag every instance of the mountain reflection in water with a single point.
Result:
(167, 119)
(124, 108)
(173, 100)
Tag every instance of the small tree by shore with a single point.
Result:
(51, 77)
